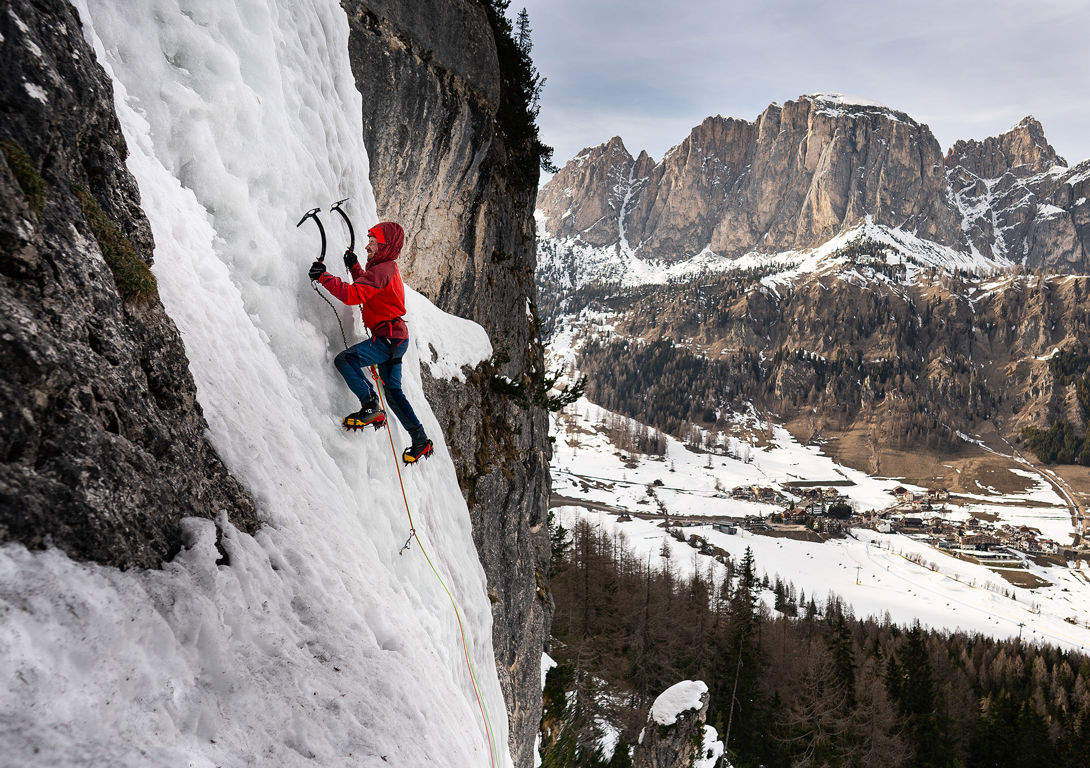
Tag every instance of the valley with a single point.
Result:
(677, 510)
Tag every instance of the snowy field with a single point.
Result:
(874, 573)
(320, 643)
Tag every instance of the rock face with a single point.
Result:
(795, 177)
(102, 440)
(899, 365)
(674, 734)
(1021, 201)
(431, 85)
(813, 168)
(1022, 151)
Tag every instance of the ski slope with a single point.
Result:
(320, 643)
(876, 574)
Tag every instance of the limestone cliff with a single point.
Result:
(816, 167)
(674, 735)
(102, 447)
(1021, 201)
(442, 166)
(854, 350)
(798, 175)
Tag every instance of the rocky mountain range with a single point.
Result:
(803, 172)
(829, 265)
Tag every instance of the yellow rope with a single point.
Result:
(413, 534)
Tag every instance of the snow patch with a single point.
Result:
(36, 92)
(677, 699)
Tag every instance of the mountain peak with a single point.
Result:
(616, 143)
(1023, 150)
(842, 100)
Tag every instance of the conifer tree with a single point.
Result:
(910, 684)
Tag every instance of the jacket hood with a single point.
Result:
(389, 250)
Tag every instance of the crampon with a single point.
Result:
(359, 420)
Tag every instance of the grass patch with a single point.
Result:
(1023, 579)
(133, 277)
(22, 167)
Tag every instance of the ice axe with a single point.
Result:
(351, 232)
(313, 214)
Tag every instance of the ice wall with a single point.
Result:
(317, 640)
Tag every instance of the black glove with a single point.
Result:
(350, 259)
(317, 269)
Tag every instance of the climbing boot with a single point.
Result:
(369, 415)
(416, 452)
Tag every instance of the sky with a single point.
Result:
(651, 71)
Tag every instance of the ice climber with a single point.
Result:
(378, 289)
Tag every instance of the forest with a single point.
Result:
(798, 684)
(1061, 443)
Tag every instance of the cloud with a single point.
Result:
(649, 71)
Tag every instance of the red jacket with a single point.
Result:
(377, 288)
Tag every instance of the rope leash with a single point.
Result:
(336, 314)
(413, 535)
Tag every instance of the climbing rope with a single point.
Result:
(413, 535)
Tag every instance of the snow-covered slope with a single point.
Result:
(569, 263)
(876, 574)
(318, 639)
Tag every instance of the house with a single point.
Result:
(767, 495)
(979, 541)
(725, 528)
(938, 494)
(884, 526)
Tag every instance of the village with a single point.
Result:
(824, 509)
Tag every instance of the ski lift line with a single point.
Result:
(401, 481)
(458, 614)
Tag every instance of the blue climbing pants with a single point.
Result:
(386, 355)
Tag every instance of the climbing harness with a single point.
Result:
(380, 387)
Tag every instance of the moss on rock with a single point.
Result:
(27, 176)
(133, 277)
